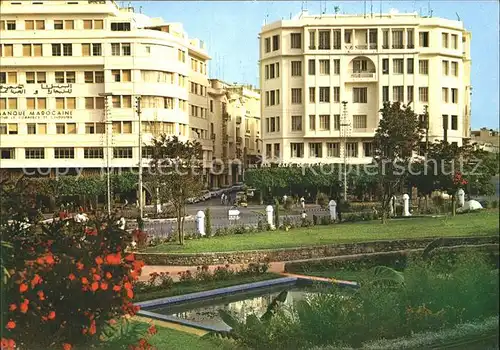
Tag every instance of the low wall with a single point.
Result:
(314, 252)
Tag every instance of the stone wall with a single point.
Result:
(315, 252)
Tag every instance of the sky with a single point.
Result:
(230, 31)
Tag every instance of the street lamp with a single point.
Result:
(141, 199)
(107, 122)
(345, 132)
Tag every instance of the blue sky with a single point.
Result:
(230, 30)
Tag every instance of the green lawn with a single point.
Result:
(479, 223)
(180, 288)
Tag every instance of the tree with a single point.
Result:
(176, 170)
(396, 140)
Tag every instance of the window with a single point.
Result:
(445, 95)
(409, 37)
(445, 67)
(120, 26)
(34, 153)
(296, 40)
(423, 39)
(336, 39)
(7, 153)
(359, 121)
(398, 93)
(312, 67)
(359, 95)
(336, 66)
(312, 39)
(3, 128)
(454, 122)
(276, 150)
(385, 66)
(120, 49)
(12, 129)
(312, 95)
(312, 122)
(409, 93)
(93, 153)
(324, 122)
(267, 45)
(9, 103)
(423, 93)
(11, 25)
(385, 94)
(385, 39)
(296, 123)
(274, 70)
(69, 24)
(269, 150)
(296, 68)
(352, 149)
(454, 41)
(276, 42)
(423, 67)
(60, 128)
(36, 103)
(70, 77)
(348, 36)
(324, 67)
(94, 128)
(58, 24)
(336, 94)
(324, 40)
(273, 124)
(444, 40)
(274, 98)
(56, 50)
(64, 153)
(8, 50)
(445, 122)
(296, 150)
(91, 49)
(12, 77)
(336, 122)
(398, 66)
(333, 149)
(181, 55)
(454, 69)
(324, 94)
(296, 96)
(368, 149)
(316, 150)
(454, 95)
(409, 66)
(31, 128)
(397, 39)
(67, 49)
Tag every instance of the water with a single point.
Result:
(240, 305)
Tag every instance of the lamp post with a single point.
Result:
(344, 133)
(107, 122)
(141, 199)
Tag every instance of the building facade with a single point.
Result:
(234, 113)
(79, 79)
(325, 78)
(486, 139)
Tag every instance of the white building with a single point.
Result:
(71, 75)
(310, 65)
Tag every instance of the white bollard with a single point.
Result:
(270, 218)
(461, 197)
(392, 206)
(406, 205)
(333, 210)
(201, 222)
(158, 203)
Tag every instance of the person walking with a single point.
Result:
(285, 197)
(302, 202)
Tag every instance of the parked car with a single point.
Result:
(205, 195)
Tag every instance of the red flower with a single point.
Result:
(41, 295)
(112, 321)
(94, 286)
(10, 325)
(85, 280)
(71, 277)
(67, 346)
(104, 286)
(12, 307)
(49, 259)
(79, 266)
(117, 288)
(23, 308)
(130, 257)
(92, 328)
(8, 344)
(127, 285)
(114, 259)
(23, 287)
(130, 293)
(90, 231)
(36, 280)
(51, 315)
(99, 260)
(152, 330)
(96, 277)
(40, 261)
(109, 275)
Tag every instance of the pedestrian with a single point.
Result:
(223, 199)
(122, 223)
(284, 198)
(302, 202)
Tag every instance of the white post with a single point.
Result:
(333, 210)
(392, 206)
(406, 205)
(461, 197)
(269, 211)
(201, 222)
(158, 201)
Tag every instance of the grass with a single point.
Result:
(180, 288)
(473, 224)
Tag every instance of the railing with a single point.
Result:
(361, 47)
(398, 46)
(373, 46)
(410, 46)
(370, 73)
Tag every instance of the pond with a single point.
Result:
(240, 305)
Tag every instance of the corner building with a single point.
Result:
(79, 79)
(311, 65)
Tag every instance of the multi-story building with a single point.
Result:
(486, 139)
(324, 79)
(234, 113)
(73, 74)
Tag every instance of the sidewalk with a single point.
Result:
(274, 267)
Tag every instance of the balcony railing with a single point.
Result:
(369, 73)
(398, 46)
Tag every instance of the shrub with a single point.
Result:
(208, 222)
(325, 220)
(322, 199)
(276, 213)
(494, 204)
(288, 203)
(68, 282)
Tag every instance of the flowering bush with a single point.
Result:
(67, 283)
(458, 180)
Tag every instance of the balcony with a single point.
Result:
(361, 47)
(356, 74)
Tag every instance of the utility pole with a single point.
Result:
(139, 112)
(108, 124)
(345, 131)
